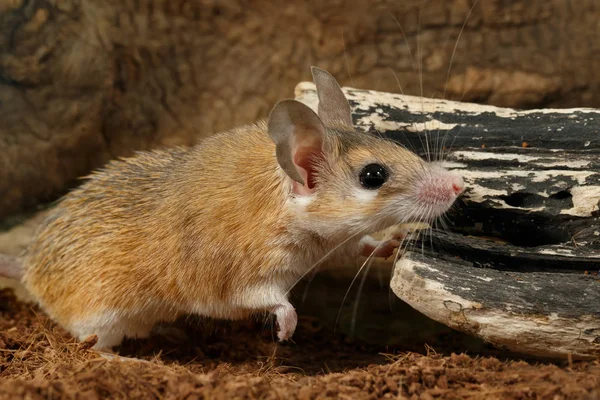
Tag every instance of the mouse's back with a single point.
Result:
(162, 233)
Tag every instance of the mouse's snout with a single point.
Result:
(439, 190)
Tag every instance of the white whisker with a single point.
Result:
(346, 59)
(310, 279)
(456, 46)
(357, 301)
(354, 280)
(452, 144)
(420, 61)
(321, 260)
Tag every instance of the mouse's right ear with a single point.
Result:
(333, 105)
(298, 134)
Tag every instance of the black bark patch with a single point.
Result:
(557, 201)
(565, 131)
(565, 295)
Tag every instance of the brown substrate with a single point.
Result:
(39, 360)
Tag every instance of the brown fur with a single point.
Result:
(142, 226)
(171, 226)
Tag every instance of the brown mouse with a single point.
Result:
(226, 228)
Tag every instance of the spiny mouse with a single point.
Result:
(226, 228)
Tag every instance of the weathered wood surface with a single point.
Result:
(519, 262)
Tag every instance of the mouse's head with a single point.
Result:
(344, 181)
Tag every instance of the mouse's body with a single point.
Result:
(225, 229)
(171, 232)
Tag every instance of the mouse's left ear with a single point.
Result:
(298, 134)
(333, 105)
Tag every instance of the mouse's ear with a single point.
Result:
(333, 105)
(298, 134)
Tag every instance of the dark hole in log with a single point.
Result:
(562, 195)
(517, 227)
(557, 201)
(519, 199)
(487, 254)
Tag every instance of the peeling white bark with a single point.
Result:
(415, 104)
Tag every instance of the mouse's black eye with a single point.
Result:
(373, 176)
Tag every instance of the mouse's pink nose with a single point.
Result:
(442, 187)
(458, 187)
(456, 183)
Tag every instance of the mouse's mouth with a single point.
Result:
(417, 208)
(435, 209)
(409, 210)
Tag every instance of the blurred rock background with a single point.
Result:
(85, 81)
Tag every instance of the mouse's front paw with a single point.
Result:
(374, 248)
(286, 320)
